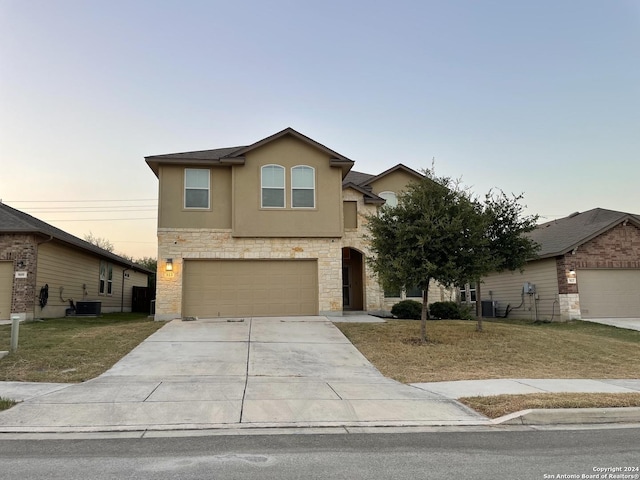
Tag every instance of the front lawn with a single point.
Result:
(506, 349)
(72, 349)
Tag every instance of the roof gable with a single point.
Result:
(398, 167)
(15, 221)
(235, 155)
(563, 235)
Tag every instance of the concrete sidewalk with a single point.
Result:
(513, 386)
(208, 374)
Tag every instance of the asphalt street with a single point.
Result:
(464, 454)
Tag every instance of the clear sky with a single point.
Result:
(536, 97)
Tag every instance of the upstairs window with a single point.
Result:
(303, 187)
(272, 186)
(390, 197)
(196, 188)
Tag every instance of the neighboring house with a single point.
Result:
(38, 260)
(274, 228)
(588, 267)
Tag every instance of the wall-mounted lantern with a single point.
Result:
(169, 265)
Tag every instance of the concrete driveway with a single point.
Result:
(258, 372)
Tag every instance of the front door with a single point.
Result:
(352, 279)
(346, 286)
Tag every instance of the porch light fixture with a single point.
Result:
(169, 265)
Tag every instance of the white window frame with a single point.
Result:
(102, 278)
(389, 194)
(109, 279)
(313, 188)
(283, 188)
(207, 189)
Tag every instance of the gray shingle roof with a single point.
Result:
(563, 235)
(215, 154)
(357, 178)
(15, 221)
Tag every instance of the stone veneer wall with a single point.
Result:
(21, 247)
(355, 238)
(569, 306)
(184, 243)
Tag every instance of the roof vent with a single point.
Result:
(574, 214)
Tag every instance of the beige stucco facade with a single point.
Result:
(236, 226)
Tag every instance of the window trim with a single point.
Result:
(102, 278)
(395, 196)
(313, 172)
(208, 189)
(470, 289)
(109, 279)
(284, 186)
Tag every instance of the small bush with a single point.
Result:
(445, 310)
(409, 309)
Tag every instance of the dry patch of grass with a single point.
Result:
(72, 349)
(499, 405)
(506, 349)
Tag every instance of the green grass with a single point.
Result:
(72, 349)
(6, 403)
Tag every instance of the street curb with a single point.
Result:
(571, 416)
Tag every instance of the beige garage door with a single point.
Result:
(239, 288)
(609, 293)
(6, 287)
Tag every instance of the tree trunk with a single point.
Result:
(425, 314)
(478, 307)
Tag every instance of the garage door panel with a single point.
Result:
(609, 293)
(235, 288)
(6, 289)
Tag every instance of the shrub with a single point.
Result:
(409, 309)
(448, 310)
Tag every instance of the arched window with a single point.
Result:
(272, 184)
(390, 197)
(303, 187)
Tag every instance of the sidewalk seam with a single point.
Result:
(246, 376)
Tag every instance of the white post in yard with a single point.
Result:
(15, 326)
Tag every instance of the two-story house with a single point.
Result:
(274, 228)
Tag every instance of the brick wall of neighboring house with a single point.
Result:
(21, 248)
(616, 248)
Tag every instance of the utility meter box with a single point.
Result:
(529, 288)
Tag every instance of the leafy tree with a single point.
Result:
(99, 242)
(509, 247)
(149, 263)
(439, 231)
